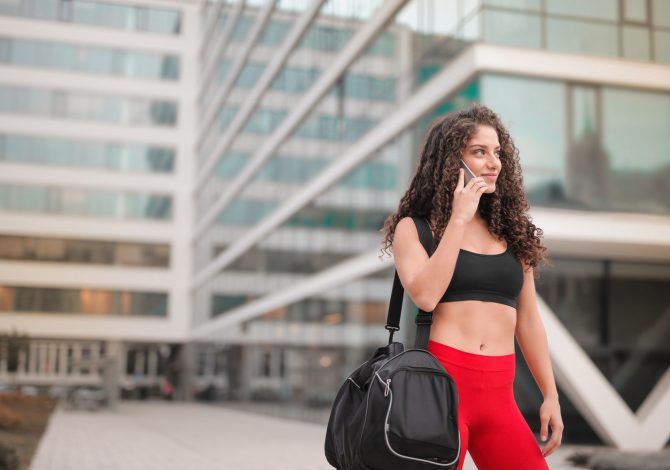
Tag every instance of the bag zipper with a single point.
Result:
(424, 369)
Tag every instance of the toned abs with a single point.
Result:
(476, 326)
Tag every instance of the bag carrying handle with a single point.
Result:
(423, 320)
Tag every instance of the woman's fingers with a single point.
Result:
(475, 183)
(556, 438)
(551, 446)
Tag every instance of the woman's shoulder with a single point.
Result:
(405, 229)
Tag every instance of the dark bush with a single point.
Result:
(8, 458)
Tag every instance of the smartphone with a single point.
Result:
(468, 174)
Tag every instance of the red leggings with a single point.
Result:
(490, 423)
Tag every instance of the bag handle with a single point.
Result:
(423, 320)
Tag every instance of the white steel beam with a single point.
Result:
(210, 21)
(598, 401)
(212, 104)
(354, 47)
(454, 75)
(254, 97)
(351, 269)
(540, 63)
(210, 59)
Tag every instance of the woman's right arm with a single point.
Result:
(424, 278)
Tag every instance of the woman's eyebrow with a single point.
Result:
(481, 145)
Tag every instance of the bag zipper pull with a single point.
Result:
(388, 387)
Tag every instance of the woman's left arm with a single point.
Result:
(532, 339)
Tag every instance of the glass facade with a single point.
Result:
(83, 301)
(605, 28)
(302, 169)
(79, 105)
(299, 79)
(61, 250)
(320, 37)
(587, 147)
(618, 312)
(85, 202)
(87, 59)
(108, 15)
(85, 154)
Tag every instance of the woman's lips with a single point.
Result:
(490, 177)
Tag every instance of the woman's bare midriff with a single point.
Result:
(475, 326)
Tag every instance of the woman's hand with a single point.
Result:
(550, 414)
(466, 198)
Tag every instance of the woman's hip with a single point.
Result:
(477, 371)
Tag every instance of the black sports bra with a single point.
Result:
(492, 278)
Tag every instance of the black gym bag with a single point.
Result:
(399, 409)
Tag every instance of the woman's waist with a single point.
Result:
(477, 327)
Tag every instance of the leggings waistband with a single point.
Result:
(470, 360)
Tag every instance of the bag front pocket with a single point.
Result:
(421, 422)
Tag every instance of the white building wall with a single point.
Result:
(176, 232)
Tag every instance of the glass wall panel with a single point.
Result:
(599, 301)
(59, 250)
(635, 10)
(596, 9)
(534, 111)
(636, 43)
(79, 105)
(637, 144)
(96, 203)
(601, 166)
(110, 15)
(580, 37)
(662, 46)
(511, 29)
(144, 206)
(526, 5)
(103, 155)
(660, 13)
(605, 28)
(83, 301)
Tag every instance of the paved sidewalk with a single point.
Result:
(177, 436)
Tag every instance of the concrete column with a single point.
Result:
(152, 370)
(52, 357)
(140, 358)
(21, 366)
(186, 372)
(112, 366)
(95, 363)
(76, 359)
(32, 358)
(42, 366)
(210, 367)
(62, 359)
(4, 354)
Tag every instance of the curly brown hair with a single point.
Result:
(431, 190)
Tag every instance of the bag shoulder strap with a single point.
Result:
(425, 234)
(423, 319)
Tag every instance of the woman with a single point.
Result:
(479, 284)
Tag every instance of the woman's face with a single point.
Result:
(482, 155)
